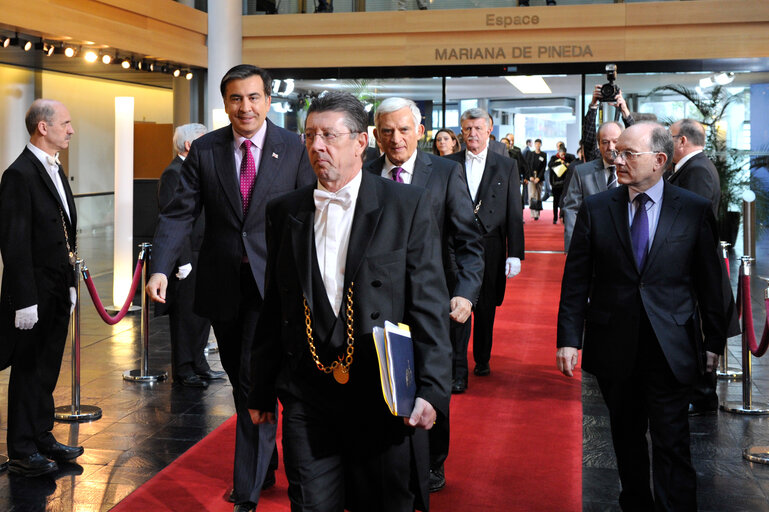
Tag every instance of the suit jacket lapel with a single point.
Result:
(49, 182)
(668, 213)
(422, 169)
(367, 214)
(224, 161)
(618, 208)
(600, 177)
(70, 198)
(269, 164)
(489, 173)
(302, 238)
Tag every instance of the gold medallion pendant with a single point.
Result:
(341, 374)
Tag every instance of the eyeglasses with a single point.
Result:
(327, 137)
(629, 155)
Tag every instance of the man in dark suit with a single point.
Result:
(38, 226)
(694, 171)
(343, 258)
(189, 332)
(495, 190)
(232, 172)
(641, 279)
(398, 130)
(590, 178)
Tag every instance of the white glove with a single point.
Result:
(183, 271)
(26, 318)
(512, 267)
(72, 298)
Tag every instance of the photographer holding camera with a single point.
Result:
(607, 93)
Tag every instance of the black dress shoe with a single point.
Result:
(192, 381)
(34, 465)
(230, 495)
(269, 480)
(458, 385)
(481, 369)
(699, 410)
(436, 480)
(244, 507)
(211, 375)
(62, 452)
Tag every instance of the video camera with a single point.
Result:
(610, 90)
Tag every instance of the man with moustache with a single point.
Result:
(495, 190)
(38, 229)
(590, 178)
(642, 279)
(230, 173)
(344, 256)
(398, 130)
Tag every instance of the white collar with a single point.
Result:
(687, 158)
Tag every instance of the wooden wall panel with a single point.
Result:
(697, 29)
(163, 29)
(153, 149)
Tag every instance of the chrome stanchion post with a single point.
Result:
(724, 372)
(758, 454)
(747, 406)
(144, 373)
(75, 411)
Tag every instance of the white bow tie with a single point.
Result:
(473, 156)
(323, 197)
(52, 160)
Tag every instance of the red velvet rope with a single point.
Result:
(112, 320)
(746, 312)
(726, 263)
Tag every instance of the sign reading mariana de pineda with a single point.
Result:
(501, 52)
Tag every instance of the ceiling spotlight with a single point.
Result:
(6, 41)
(188, 76)
(126, 64)
(106, 58)
(177, 72)
(46, 48)
(69, 51)
(27, 46)
(138, 65)
(91, 56)
(50, 50)
(151, 66)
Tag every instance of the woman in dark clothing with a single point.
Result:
(559, 168)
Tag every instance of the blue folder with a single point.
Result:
(395, 352)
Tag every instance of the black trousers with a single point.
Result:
(255, 451)
(189, 332)
(34, 372)
(557, 193)
(332, 464)
(651, 399)
(486, 307)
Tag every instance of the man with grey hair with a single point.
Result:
(398, 130)
(494, 185)
(38, 229)
(642, 278)
(189, 332)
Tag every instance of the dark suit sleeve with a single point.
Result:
(178, 216)
(515, 242)
(16, 240)
(426, 308)
(708, 285)
(700, 181)
(169, 181)
(466, 237)
(576, 282)
(266, 353)
(572, 200)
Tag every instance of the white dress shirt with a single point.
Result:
(257, 144)
(474, 166)
(686, 159)
(652, 207)
(50, 165)
(333, 223)
(407, 174)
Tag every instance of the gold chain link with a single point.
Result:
(70, 254)
(350, 339)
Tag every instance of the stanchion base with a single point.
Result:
(729, 374)
(116, 309)
(739, 408)
(150, 376)
(86, 413)
(758, 454)
(3, 463)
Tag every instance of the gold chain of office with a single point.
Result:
(340, 368)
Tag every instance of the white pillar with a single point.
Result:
(124, 198)
(225, 48)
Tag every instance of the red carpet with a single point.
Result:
(516, 435)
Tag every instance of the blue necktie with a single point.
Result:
(639, 230)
